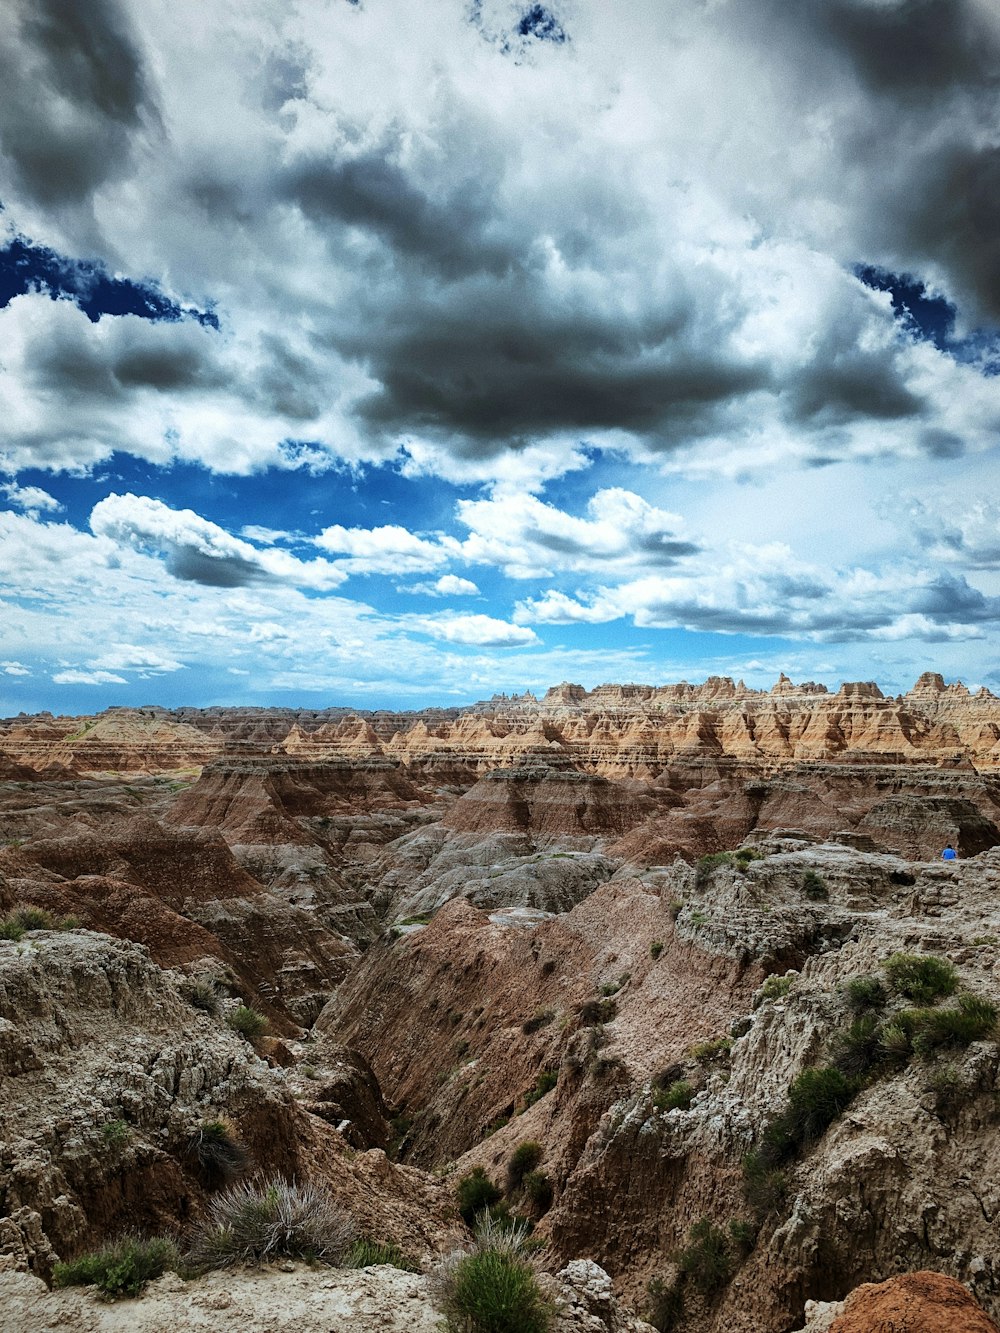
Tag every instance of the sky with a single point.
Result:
(354, 352)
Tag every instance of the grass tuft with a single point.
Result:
(922, 978)
(260, 1220)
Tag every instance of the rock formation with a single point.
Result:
(619, 926)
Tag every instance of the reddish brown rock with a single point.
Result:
(922, 1302)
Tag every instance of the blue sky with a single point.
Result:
(360, 355)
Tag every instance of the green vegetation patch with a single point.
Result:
(921, 977)
(677, 1097)
(368, 1253)
(120, 1269)
(475, 1193)
(249, 1023)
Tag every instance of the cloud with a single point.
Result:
(200, 551)
(768, 591)
(448, 585)
(528, 538)
(127, 657)
(75, 96)
(386, 550)
(482, 631)
(87, 678)
(968, 536)
(14, 669)
(32, 499)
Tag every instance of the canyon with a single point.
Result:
(619, 925)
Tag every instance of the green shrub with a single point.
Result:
(775, 987)
(674, 908)
(525, 1157)
(666, 1304)
(676, 1097)
(865, 992)
(922, 978)
(765, 1187)
(120, 1269)
(743, 1235)
(217, 1153)
(493, 1290)
(707, 1260)
(544, 1083)
(707, 865)
(116, 1133)
(258, 1221)
(367, 1253)
(249, 1023)
(744, 855)
(598, 1011)
(814, 887)
(816, 1097)
(655, 949)
(973, 1018)
(202, 993)
(10, 929)
(858, 1051)
(538, 1189)
(613, 987)
(539, 1019)
(706, 1052)
(34, 918)
(475, 1193)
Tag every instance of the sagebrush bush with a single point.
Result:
(973, 1018)
(202, 993)
(655, 949)
(494, 1289)
(775, 987)
(120, 1269)
(922, 978)
(217, 1152)
(23, 918)
(249, 1023)
(815, 1099)
(260, 1220)
(706, 1052)
(475, 1194)
(525, 1157)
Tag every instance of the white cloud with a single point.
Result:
(386, 550)
(448, 585)
(88, 678)
(32, 499)
(528, 538)
(14, 669)
(199, 550)
(483, 631)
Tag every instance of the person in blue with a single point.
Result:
(949, 853)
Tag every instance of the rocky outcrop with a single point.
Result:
(927, 1301)
(291, 1298)
(107, 1076)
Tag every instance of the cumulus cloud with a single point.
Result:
(482, 631)
(14, 669)
(968, 535)
(386, 550)
(448, 585)
(74, 677)
(198, 550)
(768, 591)
(32, 499)
(528, 538)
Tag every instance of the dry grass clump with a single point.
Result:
(260, 1220)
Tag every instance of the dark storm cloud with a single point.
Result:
(496, 360)
(851, 386)
(914, 46)
(213, 570)
(73, 90)
(950, 216)
(107, 371)
(450, 234)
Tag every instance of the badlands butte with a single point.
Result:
(694, 945)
